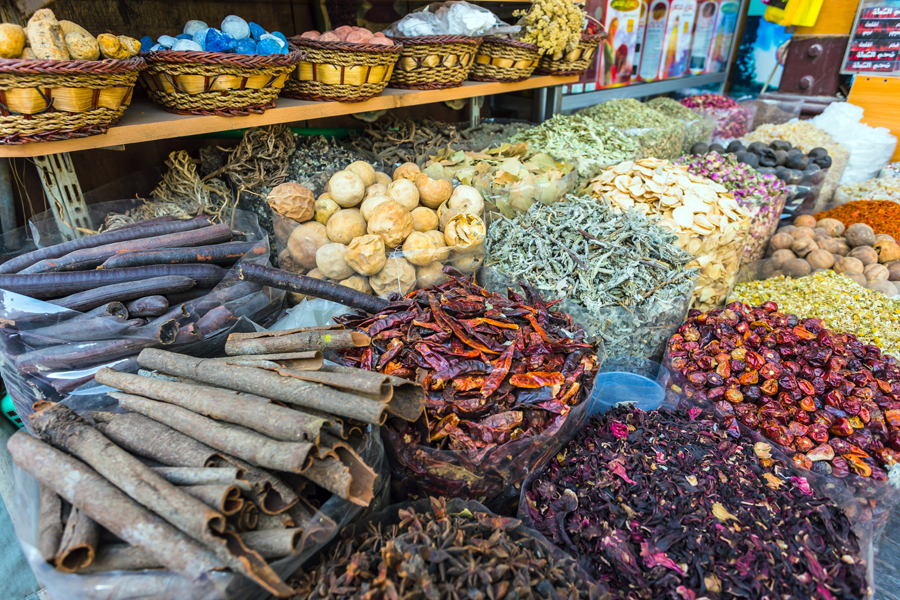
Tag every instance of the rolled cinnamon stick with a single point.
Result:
(269, 493)
(341, 471)
(50, 524)
(243, 443)
(282, 521)
(279, 341)
(302, 361)
(372, 384)
(274, 421)
(407, 400)
(268, 384)
(248, 517)
(200, 476)
(110, 507)
(79, 542)
(224, 498)
(274, 543)
(120, 557)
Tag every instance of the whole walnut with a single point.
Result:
(848, 264)
(803, 232)
(820, 259)
(780, 241)
(882, 285)
(796, 267)
(779, 257)
(866, 254)
(293, 201)
(842, 248)
(803, 246)
(859, 234)
(834, 227)
(876, 271)
(805, 221)
(888, 251)
(857, 278)
(894, 270)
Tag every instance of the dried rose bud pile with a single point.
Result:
(662, 506)
(732, 119)
(831, 400)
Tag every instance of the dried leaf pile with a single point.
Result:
(659, 136)
(398, 142)
(663, 506)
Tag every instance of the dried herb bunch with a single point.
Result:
(663, 506)
(660, 136)
(502, 376)
(397, 142)
(450, 551)
(553, 25)
(626, 275)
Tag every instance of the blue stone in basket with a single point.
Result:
(256, 31)
(200, 37)
(192, 27)
(280, 36)
(268, 45)
(216, 41)
(246, 46)
(184, 36)
(146, 43)
(236, 27)
(187, 46)
(166, 41)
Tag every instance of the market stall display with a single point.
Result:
(804, 173)
(882, 217)
(658, 135)
(697, 128)
(60, 82)
(505, 379)
(65, 307)
(509, 178)
(882, 188)
(238, 489)
(556, 28)
(703, 214)
(514, 559)
(655, 503)
(826, 245)
(349, 64)
(763, 196)
(733, 120)
(807, 137)
(234, 71)
(585, 141)
(406, 141)
(619, 276)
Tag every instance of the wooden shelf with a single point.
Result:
(145, 122)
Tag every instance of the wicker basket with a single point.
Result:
(573, 62)
(52, 100)
(340, 71)
(432, 62)
(502, 59)
(216, 83)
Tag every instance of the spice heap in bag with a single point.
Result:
(698, 128)
(732, 119)
(703, 214)
(511, 177)
(825, 397)
(452, 548)
(376, 235)
(620, 276)
(658, 135)
(882, 217)
(762, 195)
(883, 188)
(591, 144)
(243, 454)
(504, 378)
(662, 505)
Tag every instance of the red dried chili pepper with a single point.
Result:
(537, 379)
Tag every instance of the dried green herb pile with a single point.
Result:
(623, 277)
(492, 134)
(587, 141)
(697, 128)
(447, 553)
(659, 136)
(663, 506)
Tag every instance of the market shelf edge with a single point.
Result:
(145, 122)
(638, 90)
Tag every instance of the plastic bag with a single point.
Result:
(628, 380)
(450, 18)
(773, 111)
(764, 220)
(870, 148)
(731, 123)
(333, 515)
(66, 376)
(883, 188)
(806, 197)
(636, 332)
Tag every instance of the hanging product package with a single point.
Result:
(59, 326)
(160, 584)
(871, 148)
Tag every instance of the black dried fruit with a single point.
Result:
(748, 158)
(735, 146)
(823, 161)
(797, 161)
(766, 170)
(767, 158)
(780, 145)
(756, 147)
(781, 156)
(717, 148)
(793, 177)
(700, 148)
(817, 152)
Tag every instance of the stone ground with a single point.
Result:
(887, 561)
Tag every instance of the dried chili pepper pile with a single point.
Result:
(830, 400)
(450, 551)
(496, 370)
(663, 506)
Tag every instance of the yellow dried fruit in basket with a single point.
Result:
(12, 40)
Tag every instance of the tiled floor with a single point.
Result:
(887, 561)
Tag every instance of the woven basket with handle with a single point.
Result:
(432, 62)
(340, 71)
(502, 59)
(53, 100)
(216, 83)
(572, 62)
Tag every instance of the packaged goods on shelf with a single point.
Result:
(617, 51)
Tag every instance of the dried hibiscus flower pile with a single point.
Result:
(662, 506)
(502, 376)
(827, 398)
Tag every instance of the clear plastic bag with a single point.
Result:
(660, 142)
(764, 220)
(333, 515)
(731, 123)
(640, 332)
(773, 111)
(870, 148)
(450, 18)
(48, 364)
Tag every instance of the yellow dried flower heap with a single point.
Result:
(553, 25)
(703, 214)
